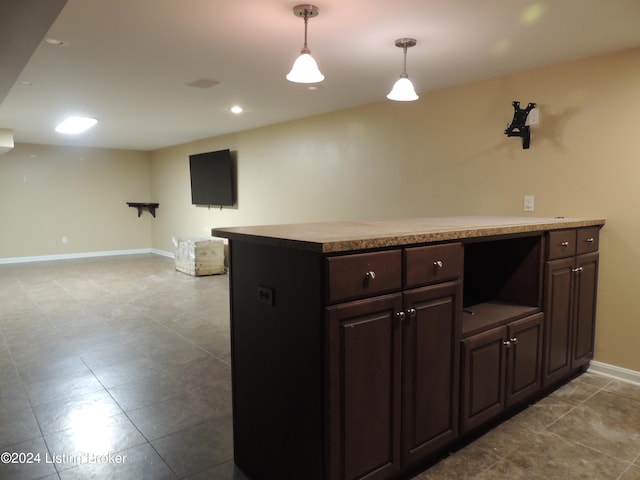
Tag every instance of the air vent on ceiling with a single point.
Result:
(203, 83)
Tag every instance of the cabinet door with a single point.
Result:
(586, 280)
(558, 310)
(363, 372)
(525, 359)
(430, 347)
(483, 377)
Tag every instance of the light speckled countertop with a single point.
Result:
(358, 235)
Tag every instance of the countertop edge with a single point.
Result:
(364, 242)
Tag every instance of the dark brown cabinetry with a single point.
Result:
(393, 361)
(571, 274)
(502, 327)
(364, 388)
(358, 356)
(430, 350)
(501, 368)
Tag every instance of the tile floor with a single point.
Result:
(118, 368)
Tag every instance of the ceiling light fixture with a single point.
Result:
(403, 90)
(75, 125)
(236, 109)
(305, 69)
(55, 42)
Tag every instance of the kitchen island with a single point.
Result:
(361, 350)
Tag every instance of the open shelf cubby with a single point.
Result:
(502, 281)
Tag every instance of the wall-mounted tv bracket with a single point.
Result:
(517, 127)
(141, 206)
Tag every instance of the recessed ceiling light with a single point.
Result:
(236, 109)
(56, 42)
(75, 125)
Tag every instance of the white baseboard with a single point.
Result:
(163, 253)
(612, 371)
(69, 256)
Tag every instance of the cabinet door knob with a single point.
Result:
(506, 343)
(400, 315)
(590, 240)
(564, 244)
(438, 264)
(514, 340)
(577, 270)
(370, 275)
(412, 312)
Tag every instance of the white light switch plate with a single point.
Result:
(528, 203)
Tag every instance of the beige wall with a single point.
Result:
(49, 192)
(446, 154)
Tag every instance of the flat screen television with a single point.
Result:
(212, 178)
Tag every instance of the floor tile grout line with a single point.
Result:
(163, 325)
(147, 440)
(629, 467)
(23, 387)
(574, 406)
(581, 406)
(588, 447)
(123, 412)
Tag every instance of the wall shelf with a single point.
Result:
(141, 206)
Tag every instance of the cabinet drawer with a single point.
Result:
(562, 243)
(363, 274)
(587, 240)
(433, 263)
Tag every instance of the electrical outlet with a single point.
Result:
(65, 240)
(528, 203)
(265, 295)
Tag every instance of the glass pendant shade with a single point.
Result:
(305, 69)
(403, 90)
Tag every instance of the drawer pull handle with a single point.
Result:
(370, 275)
(438, 264)
(564, 244)
(590, 240)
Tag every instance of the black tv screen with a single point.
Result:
(212, 178)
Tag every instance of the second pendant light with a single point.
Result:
(403, 90)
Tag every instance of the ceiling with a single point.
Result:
(129, 62)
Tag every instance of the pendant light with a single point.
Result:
(403, 90)
(305, 69)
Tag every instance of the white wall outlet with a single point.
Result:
(528, 203)
(65, 240)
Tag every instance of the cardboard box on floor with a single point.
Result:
(199, 256)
